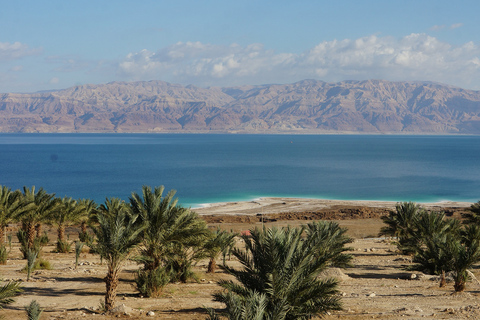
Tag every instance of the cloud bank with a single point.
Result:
(413, 57)
(16, 50)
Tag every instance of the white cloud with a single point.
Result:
(16, 50)
(437, 27)
(16, 68)
(54, 80)
(413, 57)
(456, 25)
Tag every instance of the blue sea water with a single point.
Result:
(206, 168)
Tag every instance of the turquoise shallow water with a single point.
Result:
(212, 168)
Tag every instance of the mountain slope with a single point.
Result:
(308, 106)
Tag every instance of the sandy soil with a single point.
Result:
(376, 287)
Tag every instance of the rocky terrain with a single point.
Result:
(308, 106)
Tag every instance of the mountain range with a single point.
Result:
(308, 106)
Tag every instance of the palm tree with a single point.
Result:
(87, 215)
(252, 307)
(43, 205)
(432, 242)
(474, 215)
(117, 235)
(330, 239)
(465, 253)
(68, 212)
(283, 266)
(219, 241)
(401, 224)
(11, 207)
(8, 291)
(171, 231)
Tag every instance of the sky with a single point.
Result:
(50, 45)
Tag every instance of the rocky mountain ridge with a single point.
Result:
(308, 106)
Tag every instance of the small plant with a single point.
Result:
(85, 237)
(78, 250)
(44, 239)
(63, 246)
(22, 238)
(31, 258)
(33, 310)
(3, 254)
(101, 306)
(9, 237)
(150, 283)
(43, 265)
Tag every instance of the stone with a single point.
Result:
(122, 309)
(150, 314)
(334, 273)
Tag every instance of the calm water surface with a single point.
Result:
(212, 168)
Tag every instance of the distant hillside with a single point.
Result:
(308, 106)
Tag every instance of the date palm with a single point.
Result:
(432, 241)
(170, 239)
(68, 212)
(465, 253)
(87, 215)
(165, 223)
(41, 205)
(117, 236)
(11, 206)
(331, 240)
(8, 291)
(218, 242)
(473, 216)
(401, 224)
(284, 267)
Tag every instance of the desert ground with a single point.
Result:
(376, 287)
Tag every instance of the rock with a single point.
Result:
(150, 314)
(371, 295)
(449, 310)
(122, 309)
(334, 273)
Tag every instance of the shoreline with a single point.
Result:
(269, 205)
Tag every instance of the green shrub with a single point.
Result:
(150, 283)
(63, 246)
(85, 237)
(22, 238)
(31, 258)
(33, 310)
(44, 239)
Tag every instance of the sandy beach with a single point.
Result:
(269, 205)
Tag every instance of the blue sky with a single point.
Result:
(46, 45)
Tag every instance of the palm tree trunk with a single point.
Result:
(212, 265)
(38, 228)
(3, 229)
(61, 233)
(443, 281)
(30, 234)
(460, 284)
(84, 227)
(111, 283)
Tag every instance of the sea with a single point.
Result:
(208, 168)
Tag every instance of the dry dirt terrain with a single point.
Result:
(377, 287)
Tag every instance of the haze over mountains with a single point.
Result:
(309, 106)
